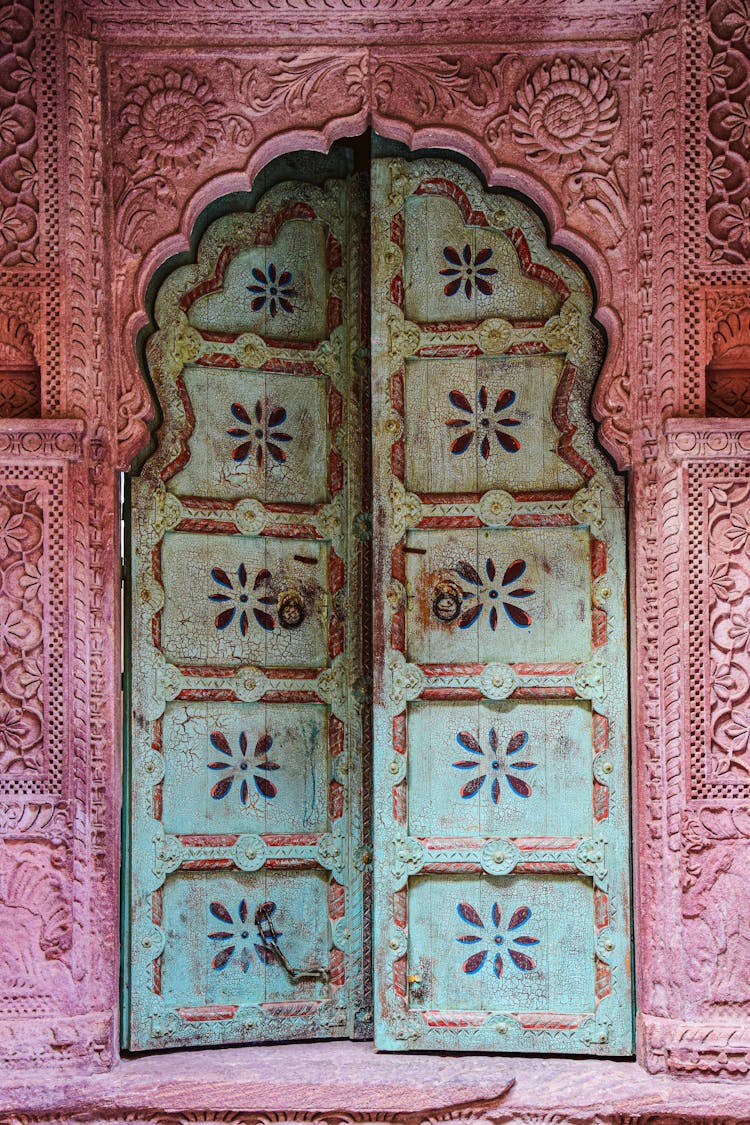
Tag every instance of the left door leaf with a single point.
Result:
(244, 893)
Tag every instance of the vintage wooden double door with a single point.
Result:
(378, 635)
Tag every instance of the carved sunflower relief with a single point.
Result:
(564, 110)
(168, 123)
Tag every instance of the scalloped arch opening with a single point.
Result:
(283, 157)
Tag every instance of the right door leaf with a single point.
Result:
(502, 915)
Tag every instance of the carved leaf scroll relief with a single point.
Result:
(22, 634)
(19, 198)
(728, 110)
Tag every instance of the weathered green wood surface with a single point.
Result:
(501, 778)
(245, 759)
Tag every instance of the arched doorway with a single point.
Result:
(500, 796)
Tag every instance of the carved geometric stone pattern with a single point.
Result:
(19, 394)
(730, 399)
(694, 212)
(719, 503)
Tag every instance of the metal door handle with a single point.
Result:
(269, 941)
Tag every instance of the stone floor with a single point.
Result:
(325, 1078)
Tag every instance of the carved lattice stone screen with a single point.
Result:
(501, 772)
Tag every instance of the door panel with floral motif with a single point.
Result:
(246, 870)
(501, 783)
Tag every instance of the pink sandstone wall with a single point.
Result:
(628, 123)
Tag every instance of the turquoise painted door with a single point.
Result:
(500, 750)
(245, 829)
(499, 641)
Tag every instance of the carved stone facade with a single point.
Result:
(628, 125)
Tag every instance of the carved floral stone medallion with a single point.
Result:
(564, 109)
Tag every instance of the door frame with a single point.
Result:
(119, 196)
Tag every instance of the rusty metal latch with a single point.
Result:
(269, 936)
(415, 985)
